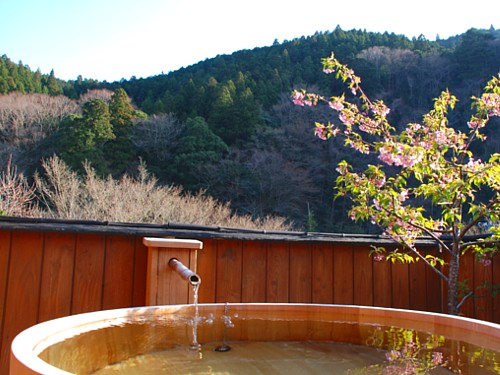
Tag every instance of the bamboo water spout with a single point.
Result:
(190, 276)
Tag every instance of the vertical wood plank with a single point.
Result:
(140, 266)
(343, 274)
(23, 293)
(382, 284)
(57, 276)
(400, 285)
(5, 248)
(5, 241)
(207, 269)
(278, 272)
(496, 281)
(89, 273)
(118, 272)
(322, 273)
(482, 281)
(254, 268)
(229, 267)
(418, 286)
(152, 277)
(300, 273)
(436, 295)
(363, 276)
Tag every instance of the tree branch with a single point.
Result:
(442, 275)
(428, 231)
(466, 297)
(474, 243)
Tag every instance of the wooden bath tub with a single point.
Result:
(86, 343)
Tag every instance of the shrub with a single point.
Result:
(64, 194)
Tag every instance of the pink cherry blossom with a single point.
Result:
(440, 137)
(298, 98)
(403, 196)
(369, 126)
(437, 358)
(476, 124)
(345, 119)
(336, 105)
(492, 102)
(321, 132)
(381, 109)
(379, 182)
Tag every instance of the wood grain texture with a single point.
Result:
(278, 272)
(23, 292)
(229, 269)
(5, 247)
(118, 272)
(140, 267)
(483, 302)
(89, 273)
(56, 287)
(172, 289)
(207, 269)
(300, 274)
(417, 286)
(363, 277)
(382, 284)
(343, 274)
(496, 281)
(400, 285)
(254, 272)
(322, 273)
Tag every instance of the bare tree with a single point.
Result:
(59, 189)
(103, 94)
(278, 186)
(16, 195)
(26, 119)
(139, 200)
(156, 135)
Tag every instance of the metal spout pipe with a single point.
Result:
(191, 277)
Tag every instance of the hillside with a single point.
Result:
(227, 125)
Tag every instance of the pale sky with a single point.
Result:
(114, 39)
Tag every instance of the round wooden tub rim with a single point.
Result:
(28, 344)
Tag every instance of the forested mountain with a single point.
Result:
(227, 125)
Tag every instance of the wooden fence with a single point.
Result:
(46, 274)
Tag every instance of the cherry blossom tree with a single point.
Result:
(429, 162)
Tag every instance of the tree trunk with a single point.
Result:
(453, 283)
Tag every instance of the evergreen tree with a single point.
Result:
(120, 153)
(235, 114)
(198, 148)
(83, 138)
(53, 85)
(474, 56)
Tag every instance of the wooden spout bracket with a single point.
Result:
(163, 284)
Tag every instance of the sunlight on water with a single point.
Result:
(253, 358)
(388, 351)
